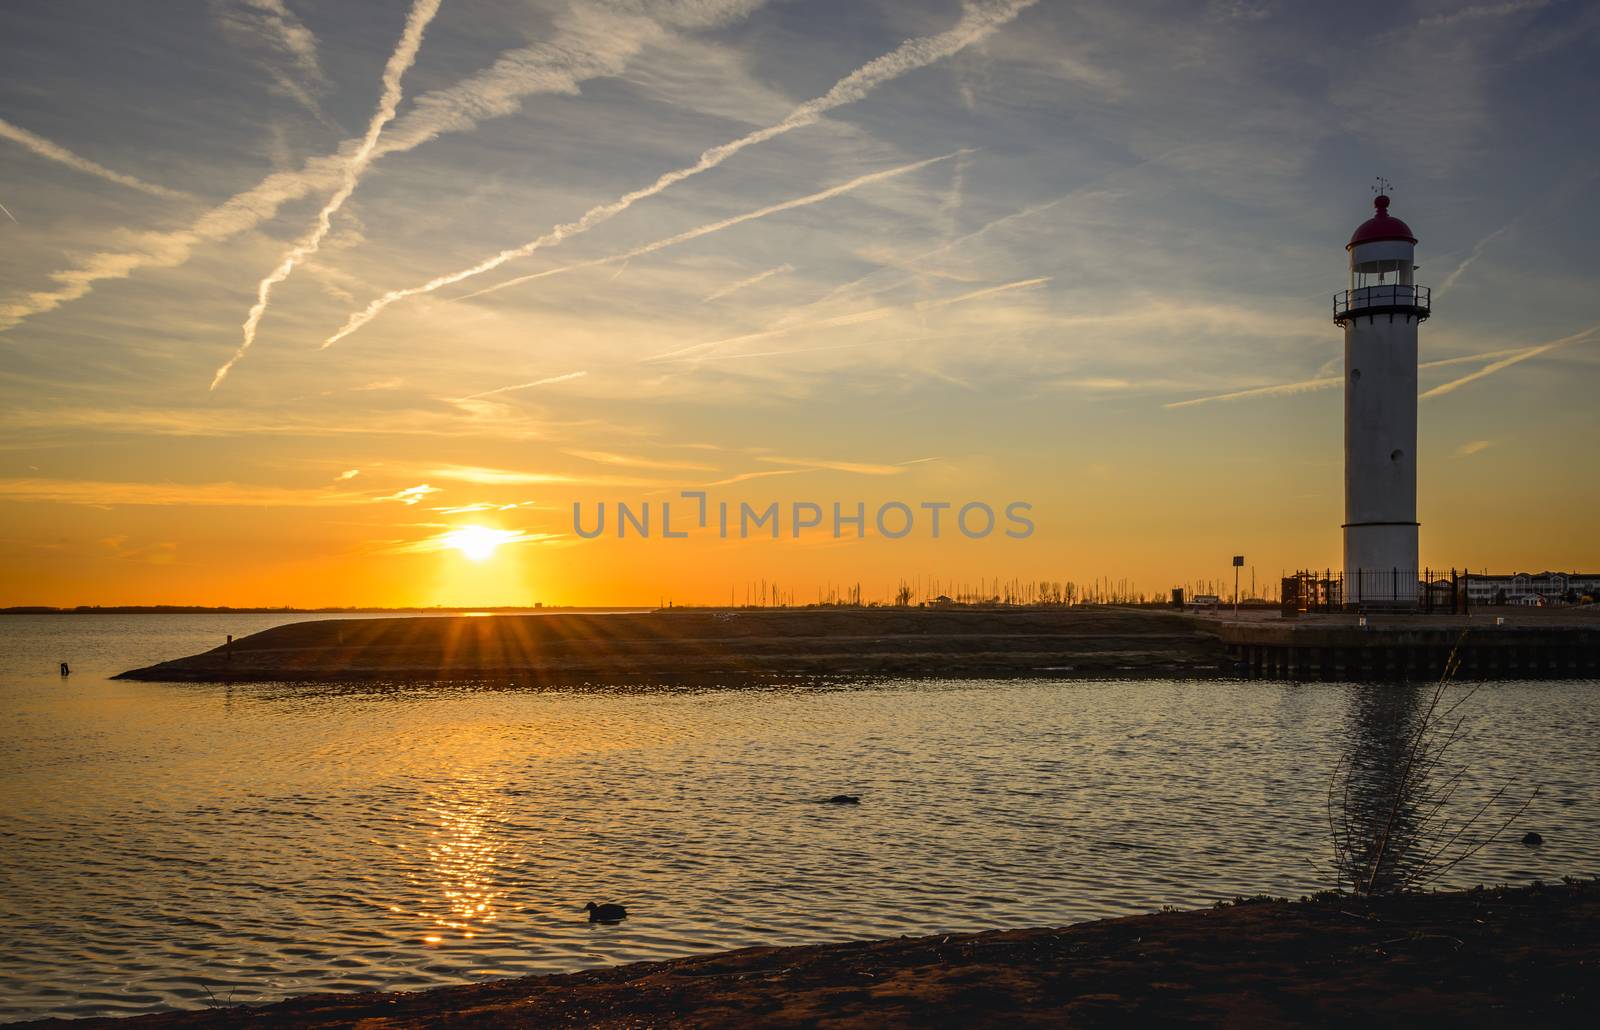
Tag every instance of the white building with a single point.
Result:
(1532, 588)
(1380, 313)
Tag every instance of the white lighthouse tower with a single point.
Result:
(1380, 313)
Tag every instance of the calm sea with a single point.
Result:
(164, 845)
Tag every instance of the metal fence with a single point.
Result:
(1408, 590)
(1393, 298)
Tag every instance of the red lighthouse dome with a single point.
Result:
(1381, 226)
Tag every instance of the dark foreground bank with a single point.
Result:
(1489, 958)
(719, 646)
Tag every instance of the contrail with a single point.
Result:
(527, 386)
(854, 318)
(9, 214)
(1450, 280)
(405, 54)
(744, 283)
(725, 223)
(1326, 382)
(589, 43)
(1507, 362)
(977, 23)
(270, 24)
(54, 152)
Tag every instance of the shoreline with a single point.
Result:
(1486, 957)
(718, 647)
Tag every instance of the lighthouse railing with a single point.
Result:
(1388, 298)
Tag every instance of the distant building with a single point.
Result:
(1532, 588)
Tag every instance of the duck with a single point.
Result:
(607, 913)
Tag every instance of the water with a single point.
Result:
(161, 845)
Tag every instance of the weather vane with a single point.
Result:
(1382, 186)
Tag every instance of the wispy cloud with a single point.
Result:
(1507, 358)
(852, 318)
(404, 55)
(745, 283)
(1477, 250)
(1275, 390)
(347, 474)
(481, 476)
(977, 23)
(102, 493)
(61, 155)
(546, 381)
(268, 24)
(726, 223)
(1479, 12)
(411, 494)
(469, 538)
(1513, 359)
(859, 468)
(1472, 447)
(634, 461)
(589, 43)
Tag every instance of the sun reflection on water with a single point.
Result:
(462, 878)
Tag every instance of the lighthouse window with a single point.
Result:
(1396, 455)
(1355, 373)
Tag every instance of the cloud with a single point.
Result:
(347, 474)
(852, 318)
(268, 24)
(1477, 249)
(633, 461)
(725, 223)
(226, 495)
(509, 477)
(527, 386)
(404, 55)
(470, 538)
(977, 23)
(856, 467)
(1472, 447)
(1327, 382)
(588, 43)
(746, 283)
(411, 494)
(1506, 362)
(1478, 12)
(61, 155)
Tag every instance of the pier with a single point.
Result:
(1351, 647)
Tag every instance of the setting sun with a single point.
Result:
(477, 542)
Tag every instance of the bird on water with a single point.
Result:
(607, 913)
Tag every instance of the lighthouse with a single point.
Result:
(1380, 313)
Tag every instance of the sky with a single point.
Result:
(315, 303)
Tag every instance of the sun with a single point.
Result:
(477, 543)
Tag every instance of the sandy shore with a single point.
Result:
(1486, 958)
(700, 645)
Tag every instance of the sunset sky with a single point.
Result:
(1076, 255)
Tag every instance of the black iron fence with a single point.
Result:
(1408, 590)
(1392, 299)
